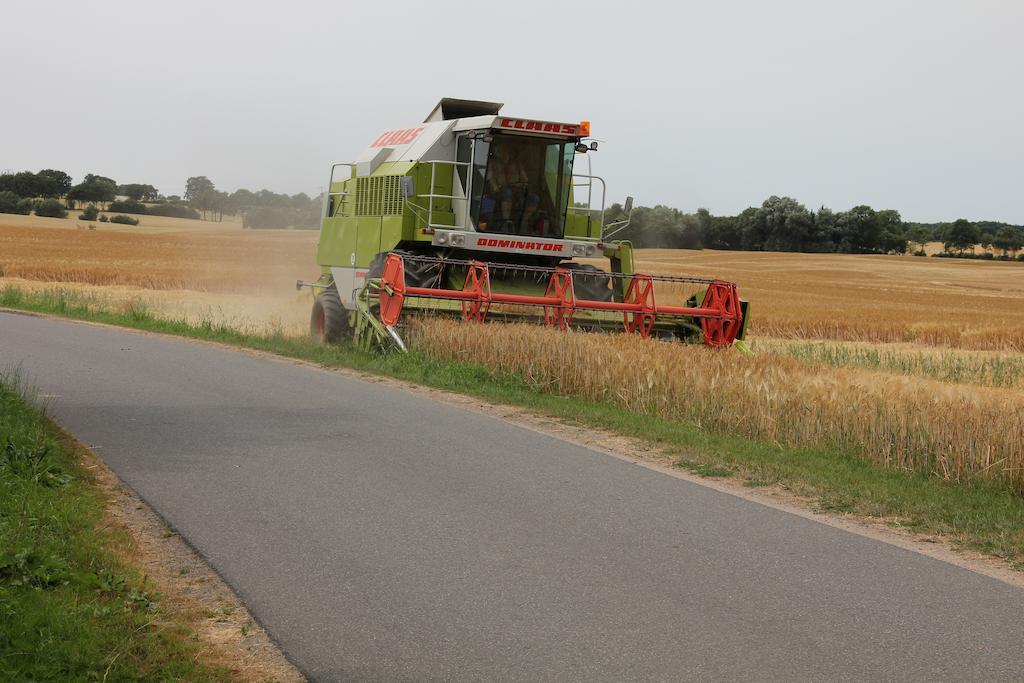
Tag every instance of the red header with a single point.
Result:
(566, 129)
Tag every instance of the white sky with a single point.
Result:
(913, 105)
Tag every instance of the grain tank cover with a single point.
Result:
(451, 108)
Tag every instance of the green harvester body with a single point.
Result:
(471, 185)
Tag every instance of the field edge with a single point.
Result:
(80, 577)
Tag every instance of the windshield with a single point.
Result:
(521, 185)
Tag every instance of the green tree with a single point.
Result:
(823, 236)
(244, 199)
(962, 235)
(139, 192)
(723, 233)
(751, 229)
(51, 208)
(1008, 240)
(93, 189)
(689, 235)
(860, 229)
(91, 177)
(12, 203)
(61, 180)
(196, 186)
(786, 224)
(28, 184)
(919, 235)
(892, 239)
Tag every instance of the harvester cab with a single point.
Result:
(481, 216)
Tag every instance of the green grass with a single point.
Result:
(70, 609)
(976, 516)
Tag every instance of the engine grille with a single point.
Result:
(379, 195)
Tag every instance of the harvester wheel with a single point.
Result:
(589, 282)
(329, 322)
(417, 273)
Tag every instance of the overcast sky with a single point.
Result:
(912, 105)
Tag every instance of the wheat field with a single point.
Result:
(874, 353)
(935, 303)
(960, 432)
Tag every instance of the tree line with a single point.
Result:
(262, 209)
(50, 192)
(784, 224)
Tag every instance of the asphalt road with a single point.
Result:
(379, 535)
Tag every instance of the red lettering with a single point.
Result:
(403, 136)
(409, 135)
(519, 244)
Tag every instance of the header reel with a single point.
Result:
(631, 306)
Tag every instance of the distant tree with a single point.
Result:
(825, 233)
(1008, 240)
(723, 232)
(690, 235)
(139, 192)
(860, 229)
(243, 199)
(196, 186)
(89, 213)
(892, 239)
(127, 206)
(28, 184)
(51, 208)
(919, 235)
(62, 181)
(211, 203)
(12, 203)
(786, 224)
(93, 189)
(90, 177)
(126, 220)
(751, 229)
(173, 210)
(962, 235)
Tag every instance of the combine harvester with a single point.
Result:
(474, 214)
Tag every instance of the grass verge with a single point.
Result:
(70, 608)
(978, 516)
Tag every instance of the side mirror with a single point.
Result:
(581, 148)
(593, 146)
(407, 186)
(628, 206)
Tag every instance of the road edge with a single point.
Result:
(189, 586)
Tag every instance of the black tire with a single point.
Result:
(328, 323)
(417, 273)
(589, 282)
